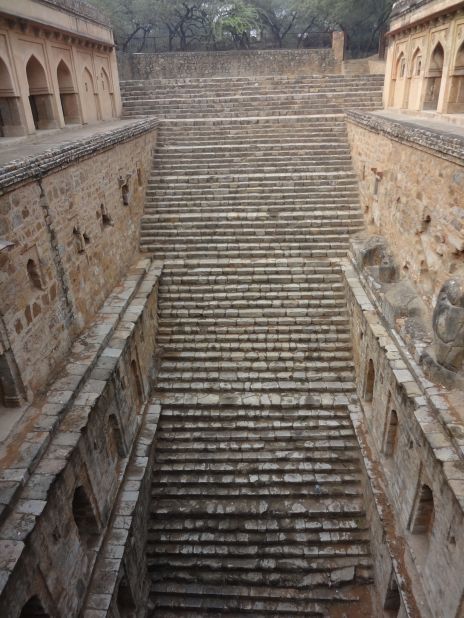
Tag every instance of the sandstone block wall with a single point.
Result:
(73, 533)
(407, 430)
(73, 239)
(228, 64)
(411, 184)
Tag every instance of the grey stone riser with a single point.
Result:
(324, 360)
(217, 456)
(247, 90)
(271, 79)
(287, 144)
(284, 232)
(173, 131)
(249, 251)
(214, 164)
(216, 422)
(259, 386)
(249, 215)
(143, 112)
(251, 179)
(303, 234)
(256, 187)
(243, 248)
(266, 294)
(330, 352)
(299, 207)
(258, 96)
(346, 548)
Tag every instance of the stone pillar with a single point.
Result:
(338, 45)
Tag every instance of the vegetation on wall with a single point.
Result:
(181, 25)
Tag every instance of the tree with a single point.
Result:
(237, 20)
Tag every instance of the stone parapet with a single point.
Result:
(439, 143)
(63, 467)
(79, 8)
(35, 167)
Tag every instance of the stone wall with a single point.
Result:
(408, 430)
(75, 481)
(73, 238)
(411, 183)
(228, 64)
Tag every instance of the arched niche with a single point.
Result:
(10, 114)
(456, 98)
(33, 609)
(40, 98)
(68, 96)
(89, 101)
(106, 96)
(434, 78)
(399, 81)
(84, 518)
(416, 73)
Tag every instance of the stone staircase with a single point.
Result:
(246, 96)
(257, 506)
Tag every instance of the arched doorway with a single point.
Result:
(89, 97)
(399, 82)
(106, 98)
(10, 117)
(68, 96)
(434, 78)
(39, 95)
(415, 80)
(33, 609)
(456, 99)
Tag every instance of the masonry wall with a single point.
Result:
(409, 441)
(74, 530)
(411, 185)
(74, 231)
(228, 64)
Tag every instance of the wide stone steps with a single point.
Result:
(257, 501)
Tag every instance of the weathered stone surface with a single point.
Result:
(448, 325)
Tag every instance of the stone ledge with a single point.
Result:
(437, 143)
(65, 154)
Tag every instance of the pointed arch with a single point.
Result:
(10, 114)
(434, 77)
(399, 81)
(6, 83)
(84, 518)
(89, 96)
(417, 62)
(39, 95)
(68, 96)
(456, 97)
(437, 60)
(106, 97)
(33, 609)
(370, 381)
(36, 77)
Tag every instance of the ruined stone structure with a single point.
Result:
(231, 340)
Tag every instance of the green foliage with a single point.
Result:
(217, 24)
